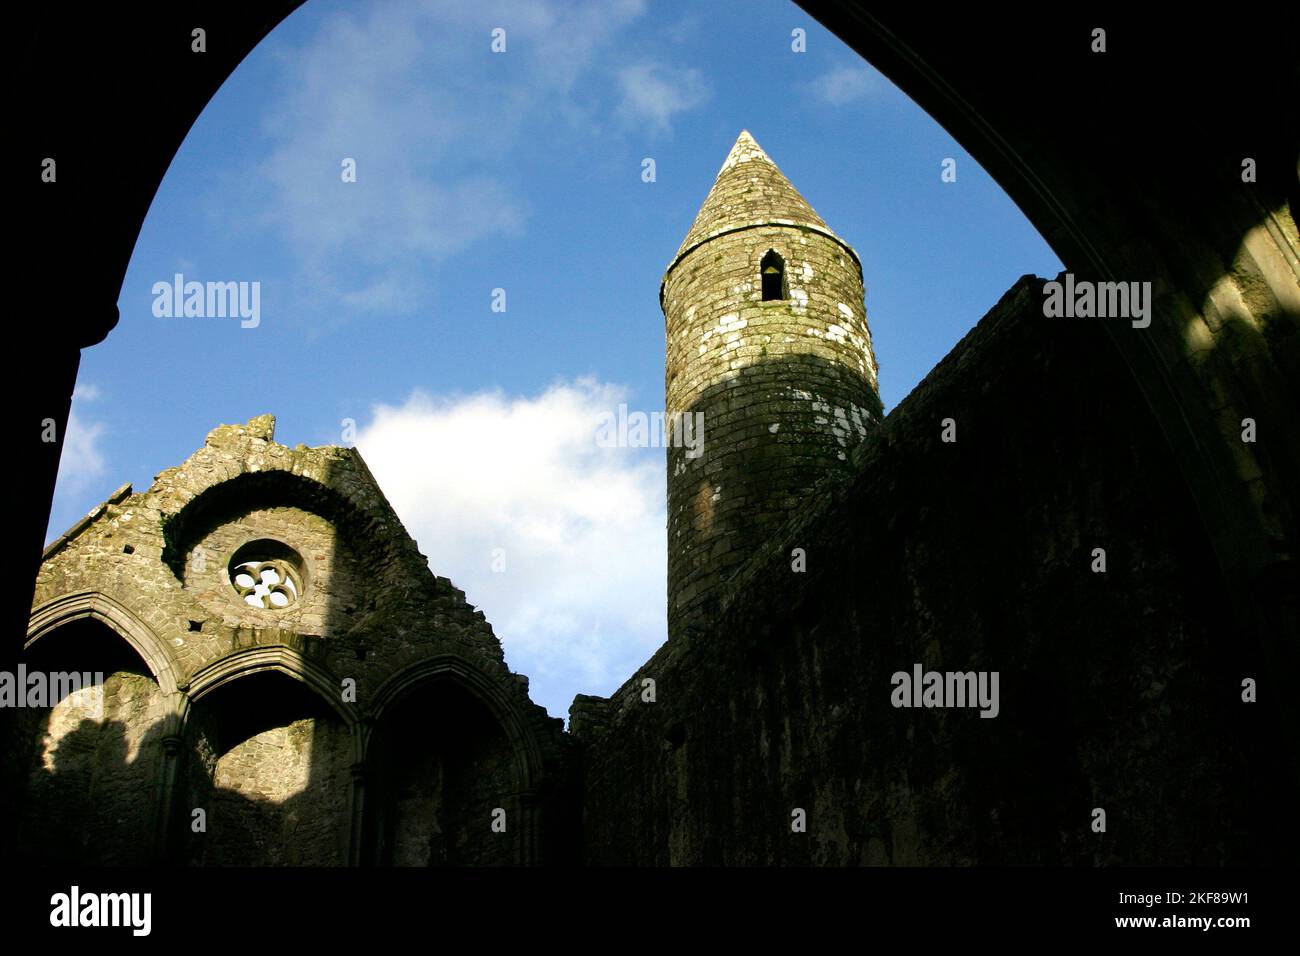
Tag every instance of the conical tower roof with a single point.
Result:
(750, 190)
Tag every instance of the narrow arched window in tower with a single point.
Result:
(772, 269)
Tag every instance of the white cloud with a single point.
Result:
(654, 93)
(581, 602)
(82, 460)
(846, 84)
(402, 89)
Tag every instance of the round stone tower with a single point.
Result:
(770, 377)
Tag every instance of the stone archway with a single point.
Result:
(102, 607)
(266, 767)
(85, 769)
(451, 771)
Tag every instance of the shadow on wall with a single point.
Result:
(259, 764)
(84, 783)
(266, 779)
(771, 431)
(439, 765)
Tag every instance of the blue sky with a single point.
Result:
(521, 171)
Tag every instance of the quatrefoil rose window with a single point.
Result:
(266, 575)
(265, 584)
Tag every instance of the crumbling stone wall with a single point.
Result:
(90, 776)
(278, 772)
(332, 576)
(1118, 690)
(271, 771)
(280, 798)
(446, 775)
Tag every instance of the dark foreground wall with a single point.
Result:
(1118, 690)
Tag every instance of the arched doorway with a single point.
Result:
(447, 788)
(87, 763)
(266, 779)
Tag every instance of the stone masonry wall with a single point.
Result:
(1118, 690)
(447, 767)
(330, 587)
(90, 790)
(280, 798)
(155, 566)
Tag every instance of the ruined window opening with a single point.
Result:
(772, 270)
(265, 584)
(266, 575)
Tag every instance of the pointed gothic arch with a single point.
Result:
(52, 615)
(450, 677)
